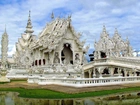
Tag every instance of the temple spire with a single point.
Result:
(29, 25)
(104, 32)
(52, 16)
(4, 48)
(104, 28)
(116, 34)
(4, 57)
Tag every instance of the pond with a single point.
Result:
(11, 98)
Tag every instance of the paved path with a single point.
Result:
(65, 89)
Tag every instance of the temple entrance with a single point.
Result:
(67, 54)
(103, 55)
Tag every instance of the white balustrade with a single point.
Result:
(85, 82)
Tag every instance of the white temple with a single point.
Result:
(57, 52)
(57, 56)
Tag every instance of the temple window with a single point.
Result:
(116, 71)
(40, 62)
(44, 62)
(36, 62)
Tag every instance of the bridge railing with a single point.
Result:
(129, 61)
(83, 82)
(100, 60)
(118, 60)
(132, 62)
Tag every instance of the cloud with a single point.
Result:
(88, 17)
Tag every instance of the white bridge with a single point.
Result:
(109, 71)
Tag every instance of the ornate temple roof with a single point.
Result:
(49, 39)
(54, 32)
(114, 44)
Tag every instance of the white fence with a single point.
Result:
(84, 82)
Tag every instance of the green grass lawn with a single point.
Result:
(44, 93)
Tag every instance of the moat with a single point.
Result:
(11, 98)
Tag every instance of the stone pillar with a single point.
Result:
(125, 72)
(111, 69)
(135, 69)
(99, 55)
(82, 74)
(130, 73)
(95, 55)
(100, 72)
(89, 72)
(94, 72)
(119, 72)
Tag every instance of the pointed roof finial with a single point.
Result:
(52, 15)
(5, 29)
(69, 17)
(127, 40)
(104, 28)
(29, 25)
(116, 31)
(29, 13)
(5, 32)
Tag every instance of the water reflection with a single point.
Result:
(11, 98)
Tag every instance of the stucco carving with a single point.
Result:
(112, 47)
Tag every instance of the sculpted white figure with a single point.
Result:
(77, 59)
(56, 58)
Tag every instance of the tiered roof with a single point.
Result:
(115, 44)
(54, 32)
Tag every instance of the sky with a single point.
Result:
(88, 17)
